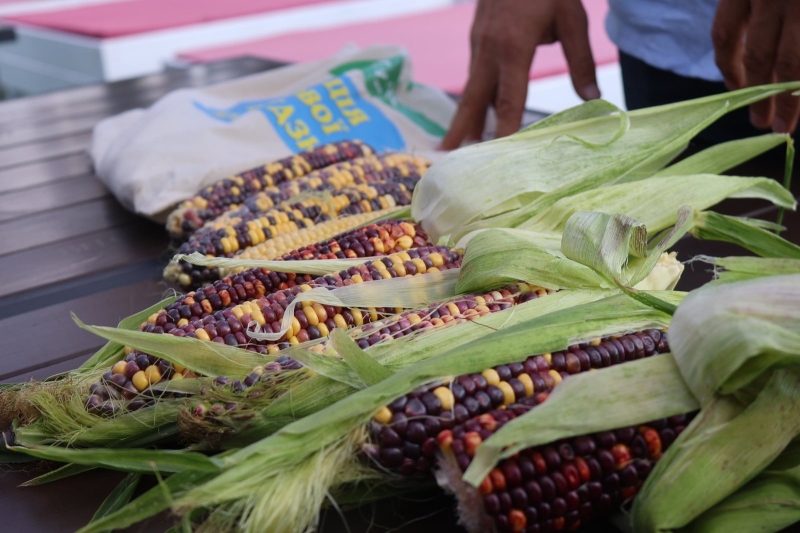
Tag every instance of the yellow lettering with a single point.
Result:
(355, 116)
(299, 130)
(321, 113)
(345, 102)
(282, 113)
(339, 125)
(336, 88)
(307, 143)
(309, 97)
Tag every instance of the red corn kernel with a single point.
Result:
(584, 471)
(498, 479)
(539, 463)
(622, 456)
(517, 521)
(487, 421)
(445, 439)
(627, 493)
(653, 440)
(486, 486)
(471, 442)
(571, 473)
(558, 523)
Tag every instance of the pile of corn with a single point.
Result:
(370, 355)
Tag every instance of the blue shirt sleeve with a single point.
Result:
(673, 35)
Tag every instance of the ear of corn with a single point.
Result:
(241, 305)
(215, 199)
(288, 220)
(409, 431)
(373, 240)
(558, 487)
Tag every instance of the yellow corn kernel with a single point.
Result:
(339, 320)
(549, 358)
(258, 370)
(293, 340)
(385, 274)
(202, 334)
(226, 244)
(237, 312)
(357, 316)
(153, 374)
(357, 278)
(433, 269)
(258, 316)
(527, 382)
(556, 376)
(404, 256)
(177, 375)
(437, 322)
(373, 314)
(395, 259)
(128, 350)
(437, 259)
(378, 245)
(453, 308)
(405, 242)
(140, 380)
(295, 326)
(421, 268)
(321, 313)
(152, 318)
(400, 270)
(311, 315)
(178, 368)
(305, 287)
(414, 318)
(445, 396)
(323, 329)
(119, 367)
(182, 322)
(508, 392)
(491, 376)
(271, 349)
(480, 300)
(380, 266)
(595, 342)
(384, 416)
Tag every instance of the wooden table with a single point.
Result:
(67, 245)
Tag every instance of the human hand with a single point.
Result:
(504, 37)
(769, 53)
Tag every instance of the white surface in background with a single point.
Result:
(136, 55)
(555, 93)
(47, 5)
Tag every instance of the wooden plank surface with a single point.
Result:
(37, 173)
(50, 196)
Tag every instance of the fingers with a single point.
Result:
(512, 92)
(727, 33)
(760, 50)
(474, 102)
(573, 32)
(787, 68)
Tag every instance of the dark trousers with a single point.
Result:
(647, 86)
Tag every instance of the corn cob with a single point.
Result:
(282, 220)
(372, 170)
(215, 199)
(407, 433)
(557, 487)
(385, 237)
(394, 235)
(229, 325)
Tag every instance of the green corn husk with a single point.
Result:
(751, 234)
(262, 465)
(732, 269)
(738, 349)
(505, 182)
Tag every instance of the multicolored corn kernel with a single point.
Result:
(421, 419)
(215, 199)
(557, 487)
